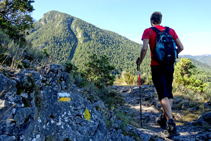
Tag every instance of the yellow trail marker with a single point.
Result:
(64, 99)
(87, 115)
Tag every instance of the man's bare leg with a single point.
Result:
(171, 101)
(166, 105)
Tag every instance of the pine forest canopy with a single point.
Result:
(15, 18)
(69, 39)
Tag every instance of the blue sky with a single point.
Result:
(189, 18)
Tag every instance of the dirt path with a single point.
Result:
(151, 109)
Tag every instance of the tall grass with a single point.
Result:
(128, 79)
(12, 53)
(192, 100)
(190, 94)
(110, 97)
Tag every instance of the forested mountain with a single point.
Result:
(203, 70)
(68, 38)
(202, 58)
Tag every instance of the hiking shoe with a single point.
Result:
(171, 129)
(162, 121)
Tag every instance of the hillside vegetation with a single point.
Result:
(30, 83)
(201, 58)
(203, 71)
(68, 38)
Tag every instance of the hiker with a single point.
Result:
(162, 73)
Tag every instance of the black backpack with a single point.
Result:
(165, 51)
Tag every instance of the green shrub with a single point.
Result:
(90, 86)
(12, 53)
(45, 53)
(129, 79)
(72, 80)
(69, 67)
(110, 97)
(183, 76)
(79, 80)
(99, 70)
(15, 18)
(4, 39)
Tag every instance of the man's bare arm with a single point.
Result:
(179, 45)
(143, 50)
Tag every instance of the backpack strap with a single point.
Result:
(156, 30)
(167, 29)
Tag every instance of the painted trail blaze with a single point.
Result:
(64, 99)
(87, 115)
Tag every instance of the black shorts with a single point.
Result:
(162, 77)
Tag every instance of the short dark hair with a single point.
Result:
(156, 18)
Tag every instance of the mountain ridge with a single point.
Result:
(68, 38)
(206, 58)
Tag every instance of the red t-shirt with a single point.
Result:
(151, 35)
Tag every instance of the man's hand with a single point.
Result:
(138, 62)
(179, 45)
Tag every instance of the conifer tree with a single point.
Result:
(183, 75)
(99, 70)
(15, 18)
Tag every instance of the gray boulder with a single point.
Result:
(68, 82)
(205, 118)
(21, 115)
(7, 138)
(5, 109)
(65, 119)
(45, 70)
(177, 101)
(53, 68)
(207, 105)
(26, 63)
(6, 112)
(37, 78)
(99, 104)
(7, 87)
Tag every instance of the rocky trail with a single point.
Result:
(45, 105)
(151, 109)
